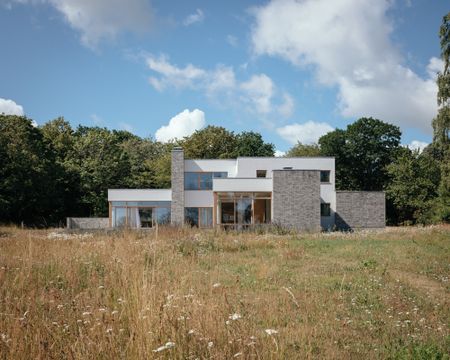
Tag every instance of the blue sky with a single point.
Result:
(291, 70)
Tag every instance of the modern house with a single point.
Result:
(295, 193)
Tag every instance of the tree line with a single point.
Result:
(53, 171)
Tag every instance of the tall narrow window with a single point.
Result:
(325, 209)
(325, 176)
(261, 173)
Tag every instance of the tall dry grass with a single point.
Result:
(186, 294)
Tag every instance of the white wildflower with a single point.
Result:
(167, 345)
(190, 332)
(210, 344)
(114, 312)
(237, 354)
(235, 316)
(216, 285)
(271, 332)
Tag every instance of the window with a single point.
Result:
(200, 217)
(325, 176)
(201, 180)
(325, 209)
(261, 173)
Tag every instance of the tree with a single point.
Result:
(441, 123)
(28, 190)
(299, 150)
(412, 188)
(362, 152)
(212, 142)
(249, 143)
(102, 164)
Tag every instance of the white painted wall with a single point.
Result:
(239, 184)
(198, 198)
(139, 195)
(211, 165)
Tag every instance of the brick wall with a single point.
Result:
(177, 205)
(360, 209)
(296, 199)
(87, 223)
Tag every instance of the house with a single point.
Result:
(296, 193)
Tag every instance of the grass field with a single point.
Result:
(186, 294)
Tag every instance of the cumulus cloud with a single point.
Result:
(182, 124)
(417, 145)
(307, 133)
(279, 153)
(98, 20)
(347, 43)
(9, 107)
(259, 91)
(196, 17)
(258, 94)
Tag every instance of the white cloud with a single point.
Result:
(279, 153)
(96, 119)
(182, 124)
(258, 94)
(196, 17)
(307, 133)
(417, 145)
(287, 107)
(98, 20)
(9, 107)
(170, 75)
(434, 66)
(347, 43)
(259, 91)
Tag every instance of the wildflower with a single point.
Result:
(114, 312)
(109, 330)
(101, 287)
(167, 345)
(60, 306)
(102, 309)
(86, 313)
(271, 332)
(235, 316)
(216, 285)
(190, 332)
(210, 344)
(237, 354)
(227, 322)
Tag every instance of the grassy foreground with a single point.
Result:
(186, 294)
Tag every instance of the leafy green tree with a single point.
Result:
(28, 190)
(212, 142)
(413, 184)
(441, 124)
(300, 150)
(362, 152)
(249, 143)
(102, 164)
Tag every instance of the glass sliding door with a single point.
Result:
(244, 211)
(227, 213)
(146, 217)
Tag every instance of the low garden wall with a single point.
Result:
(87, 223)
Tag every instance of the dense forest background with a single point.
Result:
(53, 171)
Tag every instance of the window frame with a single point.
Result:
(261, 171)
(207, 181)
(199, 216)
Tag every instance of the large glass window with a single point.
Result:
(325, 176)
(139, 216)
(191, 216)
(244, 211)
(201, 180)
(200, 217)
(227, 213)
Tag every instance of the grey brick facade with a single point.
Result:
(177, 205)
(360, 209)
(296, 199)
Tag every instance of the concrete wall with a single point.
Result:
(87, 223)
(139, 194)
(177, 168)
(296, 199)
(360, 210)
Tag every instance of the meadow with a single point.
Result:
(191, 294)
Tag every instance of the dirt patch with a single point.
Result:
(432, 288)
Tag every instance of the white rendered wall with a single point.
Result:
(139, 195)
(198, 198)
(242, 185)
(211, 166)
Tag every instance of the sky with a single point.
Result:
(292, 70)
